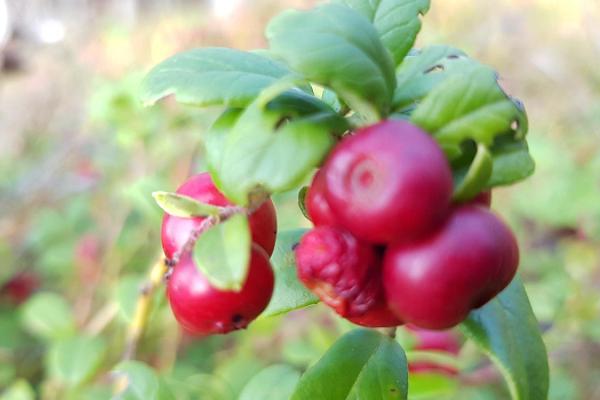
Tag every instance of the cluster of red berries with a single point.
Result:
(389, 246)
(201, 308)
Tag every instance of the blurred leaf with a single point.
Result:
(222, 253)
(397, 21)
(469, 106)
(127, 293)
(142, 382)
(363, 364)
(76, 359)
(289, 293)
(184, 206)
(212, 76)
(424, 69)
(11, 334)
(237, 371)
(20, 390)
(208, 387)
(320, 43)
(276, 382)
(507, 331)
(263, 152)
(48, 316)
(430, 386)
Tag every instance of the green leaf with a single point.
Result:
(142, 382)
(424, 69)
(126, 294)
(222, 253)
(507, 331)
(363, 364)
(182, 206)
(334, 46)
(302, 201)
(397, 21)
(469, 106)
(20, 390)
(212, 76)
(289, 293)
(263, 152)
(48, 316)
(76, 359)
(512, 162)
(276, 382)
(475, 177)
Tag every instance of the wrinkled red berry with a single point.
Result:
(436, 281)
(316, 204)
(378, 316)
(341, 270)
(436, 341)
(176, 231)
(388, 182)
(202, 309)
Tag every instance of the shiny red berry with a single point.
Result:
(202, 309)
(388, 182)
(436, 281)
(316, 204)
(378, 316)
(342, 271)
(176, 231)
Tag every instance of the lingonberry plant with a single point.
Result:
(403, 145)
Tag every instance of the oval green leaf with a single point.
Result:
(142, 382)
(276, 382)
(212, 76)
(222, 253)
(363, 364)
(397, 21)
(289, 293)
(48, 316)
(182, 206)
(76, 359)
(335, 46)
(507, 331)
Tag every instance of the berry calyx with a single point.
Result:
(316, 203)
(202, 309)
(436, 281)
(388, 182)
(176, 231)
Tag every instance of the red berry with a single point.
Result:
(318, 209)
(436, 341)
(378, 316)
(202, 309)
(436, 281)
(342, 271)
(176, 231)
(20, 287)
(390, 181)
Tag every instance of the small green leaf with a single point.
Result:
(20, 390)
(476, 176)
(289, 293)
(469, 106)
(182, 206)
(76, 359)
(48, 316)
(142, 382)
(302, 201)
(512, 161)
(363, 364)
(335, 46)
(424, 69)
(212, 76)
(430, 386)
(507, 331)
(276, 382)
(397, 21)
(267, 152)
(222, 253)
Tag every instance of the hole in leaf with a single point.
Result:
(514, 125)
(453, 56)
(435, 68)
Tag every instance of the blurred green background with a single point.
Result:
(79, 158)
